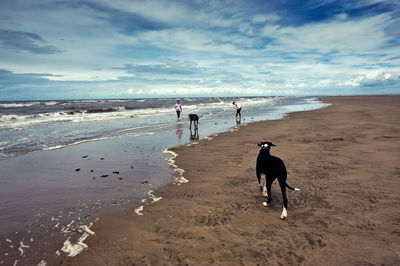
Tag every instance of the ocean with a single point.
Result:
(65, 163)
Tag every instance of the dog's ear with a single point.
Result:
(271, 144)
(259, 144)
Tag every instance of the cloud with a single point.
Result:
(337, 36)
(376, 77)
(9, 79)
(167, 67)
(25, 41)
(262, 18)
(161, 47)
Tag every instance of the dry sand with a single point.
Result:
(346, 160)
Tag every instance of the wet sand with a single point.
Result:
(344, 158)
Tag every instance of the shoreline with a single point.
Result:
(346, 212)
(217, 217)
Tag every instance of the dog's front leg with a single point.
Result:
(261, 185)
(265, 190)
(268, 182)
(258, 174)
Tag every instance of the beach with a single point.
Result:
(345, 159)
(66, 163)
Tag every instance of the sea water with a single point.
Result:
(64, 163)
(44, 125)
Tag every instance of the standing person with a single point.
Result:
(238, 109)
(178, 108)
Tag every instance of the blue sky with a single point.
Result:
(71, 49)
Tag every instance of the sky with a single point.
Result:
(70, 49)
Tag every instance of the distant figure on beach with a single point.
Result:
(178, 108)
(238, 109)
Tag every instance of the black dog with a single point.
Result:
(273, 167)
(195, 119)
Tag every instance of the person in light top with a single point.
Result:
(178, 108)
(238, 109)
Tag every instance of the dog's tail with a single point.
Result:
(289, 187)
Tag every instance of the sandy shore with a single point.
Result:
(346, 160)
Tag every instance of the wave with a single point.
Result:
(14, 105)
(66, 126)
(118, 112)
(77, 116)
(100, 110)
(51, 103)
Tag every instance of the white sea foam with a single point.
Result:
(42, 263)
(50, 103)
(54, 148)
(171, 160)
(87, 229)
(72, 249)
(74, 143)
(21, 248)
(14, 121)
(150, 193)
(139, 209)
(13, 105)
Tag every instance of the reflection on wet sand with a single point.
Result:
(238, 121)
(194, 135)
(179, 131)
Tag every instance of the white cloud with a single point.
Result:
(337, 36)
(262, 18)
(372, 77)
(227, 48)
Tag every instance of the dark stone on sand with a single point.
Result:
(116, 172)
(91, 171)
(132, 167)
(85, 156)
(120, 178)
(101, 158)
(145, 182)
(77, 169)
(104, 175)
